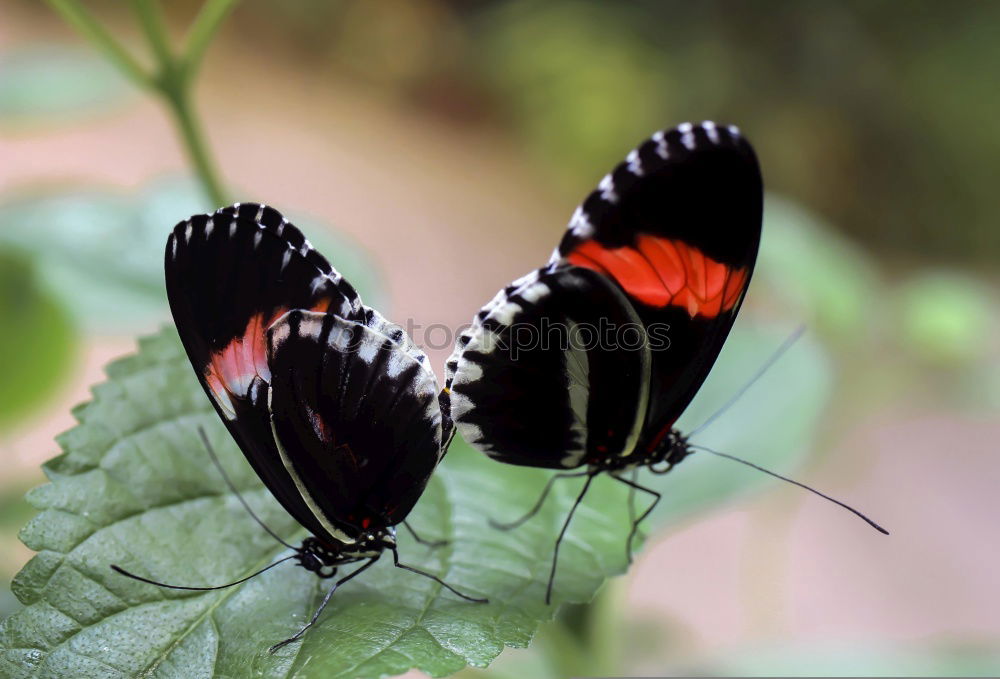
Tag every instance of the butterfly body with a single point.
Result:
(324, 558)
(588, 362)
(284, 349)
(333, 406)
(671, 450)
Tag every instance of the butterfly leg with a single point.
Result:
(430, 543)
(538, 504)
(326, 600)
(631, 499)
(397, 564)
(635, 523)
(562, 533)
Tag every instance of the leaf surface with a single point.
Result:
(134, 486)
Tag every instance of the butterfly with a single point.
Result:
(334, 407)
(587, 363)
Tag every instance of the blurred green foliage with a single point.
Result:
(568, 77)
(877, 114)
(808, 267)
(55, 84)
(37, 345)
(873, 113)
(947, 318)
(101, 252)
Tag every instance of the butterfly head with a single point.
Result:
(672, 449)
(319, 557)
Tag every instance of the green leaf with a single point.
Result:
(93, 253)
(14, 511)
(52, 82)
(134, 487)
(826, 278)
(101, 252)
(36, 345)
(563, 74)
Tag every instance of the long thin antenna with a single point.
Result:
(785, 346)
(122, 571)
(232, 488)
(793, 481)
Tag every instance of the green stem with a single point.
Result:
(174, 82)
(189, 127)
(174, 76)
(151, 19)
(203, 29)
(75, 15)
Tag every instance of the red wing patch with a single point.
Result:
(231, 370)
(661, 272)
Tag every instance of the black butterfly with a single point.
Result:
(335, 408)
(589, 361)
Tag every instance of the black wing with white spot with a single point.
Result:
(538, 382)
(675, 229)
(356, 419)
(229, 275)
(677, 225)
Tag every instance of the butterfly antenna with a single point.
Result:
(785, 346)
(793, 481)
(122, 571)
(232, 488)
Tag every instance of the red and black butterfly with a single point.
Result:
(589, 361)
(335, 408)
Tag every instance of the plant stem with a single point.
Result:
(174, 83)
(202, 30)
(75, 15)
(174, 75)
(189, 127)
(151, 19)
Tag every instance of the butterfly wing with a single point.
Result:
(356, 419)
(538, 381)
(229, 275)
(677, 225)
(675, 230)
